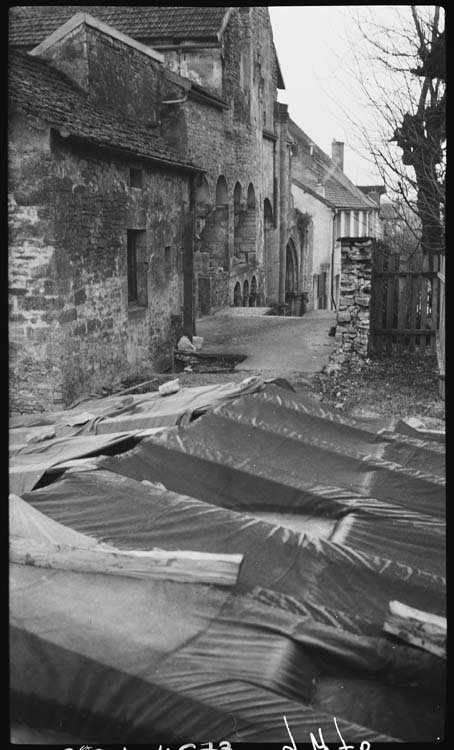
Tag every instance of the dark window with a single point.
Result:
(168, 258)
(347, 224)
(135, 178)
(132, 266)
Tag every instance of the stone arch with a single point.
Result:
(238, 211)
(267, 212)
(245, 234)
(203, 207)
(202, 192)
(291, 279)
(253, 293)
(268, 255)
(237, 295)
(251, 196)
(237, 196)
(222, 192)
(246, 293)
(216, 223)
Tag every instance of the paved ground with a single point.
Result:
(272, 344)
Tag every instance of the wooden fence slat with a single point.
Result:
(435, 307)
(389, 305)
(402, 311)
(423, 339)
(413, 304)
(441, 332)
(401, 332)
(400, 316)
(393, 274)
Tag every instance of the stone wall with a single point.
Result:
(72, 329)
(353, 316)
(113, 72)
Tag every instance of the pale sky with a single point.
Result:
(314, 55)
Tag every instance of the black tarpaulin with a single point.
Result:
(138, 661)
(125, 512)
(301, 635)
(235, 457)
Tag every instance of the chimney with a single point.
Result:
(337, 150)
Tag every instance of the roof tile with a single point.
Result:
(319, 167)
(29, 25)
(40, 90)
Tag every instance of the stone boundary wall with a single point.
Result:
(353, 315)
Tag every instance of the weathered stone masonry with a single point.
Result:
(68, 270)
(353, 317)
(76, 207)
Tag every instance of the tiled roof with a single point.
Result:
(30, 24)
(320, 168)
(38, 89)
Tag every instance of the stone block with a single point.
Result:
(343, 316)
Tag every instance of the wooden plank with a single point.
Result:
(181, 566)
(403, 332)
(435, 307)
(424, 285)
(402, 311)
(391, 274)
(422, 629)
(389, 323)
(413, 302)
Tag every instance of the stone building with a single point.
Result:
(150, 181)
(328, 207)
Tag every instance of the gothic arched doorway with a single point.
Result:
(292, 295)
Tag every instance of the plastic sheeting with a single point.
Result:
(118, 413)
(38, 443)
(299, 636)
(28, 465)
(290, 459)
(124, 512)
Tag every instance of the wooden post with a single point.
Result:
(182, 566)
(421, 629)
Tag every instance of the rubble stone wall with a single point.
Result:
(353, 316)
(72, 329)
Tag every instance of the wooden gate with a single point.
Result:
(405, 303)
(441, 328)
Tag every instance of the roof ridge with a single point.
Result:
(334, 172)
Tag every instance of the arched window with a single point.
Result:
(251, 196)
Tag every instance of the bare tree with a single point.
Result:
(400, 68)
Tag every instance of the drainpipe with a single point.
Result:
(188, 263)
(333, 301)
(275, 189)
(283, 197)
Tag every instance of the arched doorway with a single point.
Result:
(237, 295)
(292, 294)
(246, 294)
(253, 294)
(291, 268)
(270, 258)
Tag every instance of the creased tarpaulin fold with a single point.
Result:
(301, 635)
